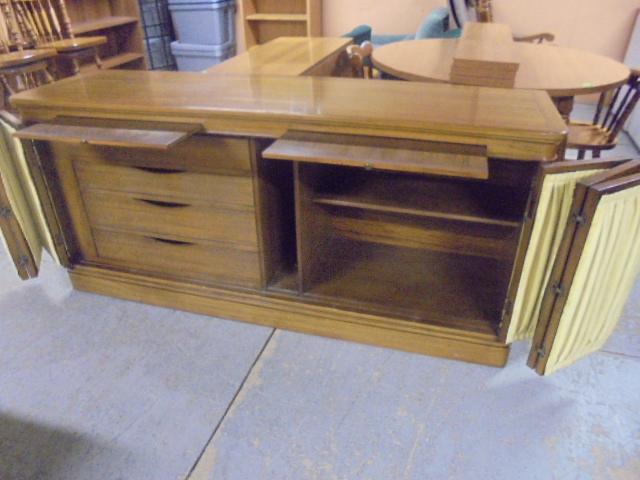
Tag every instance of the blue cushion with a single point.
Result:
(435, 25)
(360, 34)
(455, 33)
(379, 40)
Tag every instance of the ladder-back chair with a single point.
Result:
(612, 112)
(20, 69)
(46, 24)
(484, 13)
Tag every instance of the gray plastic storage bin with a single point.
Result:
(204, 22)
(194, 58)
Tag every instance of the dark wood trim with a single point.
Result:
(46, 182)
(15, 239)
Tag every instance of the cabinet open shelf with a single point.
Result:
(104, 23)
(426, 249)
(416, 196)
(117, 20)
(418, 285)
(115, 61)
(266, 20)
(277, 17)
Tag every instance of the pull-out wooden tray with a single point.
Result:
(468, 161)
(152, 135)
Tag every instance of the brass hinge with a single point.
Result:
(578, 218)
(6, 212)
(557, 288)
(533, 201)
(507, 309)
(22, 261)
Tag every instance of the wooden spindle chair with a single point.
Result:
(46, 24)
(612, 112)
(360, 59)
(20, 69)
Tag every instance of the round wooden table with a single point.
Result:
(562, 72)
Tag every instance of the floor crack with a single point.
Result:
(231, 403)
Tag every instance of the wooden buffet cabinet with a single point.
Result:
(391, 213)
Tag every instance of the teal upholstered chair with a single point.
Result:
(435, 25)
(360, 34)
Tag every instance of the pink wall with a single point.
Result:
(601, 26)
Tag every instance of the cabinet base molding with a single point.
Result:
(264, 308)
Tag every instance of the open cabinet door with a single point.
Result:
(549, 208)
(27, 222)
(597, 263)
(14, 238)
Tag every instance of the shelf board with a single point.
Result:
(411, 197)
(418, 285)
(101, 24)
(113, 62)
(277, 17)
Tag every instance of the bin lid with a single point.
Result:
(199, 2)
(196, 49)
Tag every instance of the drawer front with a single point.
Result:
(200, 153)
(192, 260)
(155, 216)
(216, 189)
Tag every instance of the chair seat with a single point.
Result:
(75, 44)
(584, 136)
(24, 57)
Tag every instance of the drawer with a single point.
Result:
(216, 189)
(160, 216)
(192, 260)
(199, 153)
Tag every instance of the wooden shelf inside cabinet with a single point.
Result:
(418, 285)
(277, 17)
(114, 62)
(89, 26)
(419, 197)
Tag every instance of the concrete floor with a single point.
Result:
(98, 388)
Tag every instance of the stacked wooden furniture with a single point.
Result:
(20, 69)
(405, 221)
(264, 20)
(117, 20)
(485, 56)
(47, 25)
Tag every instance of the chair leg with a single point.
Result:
(75, 65)
(96, 58)
(581, 154)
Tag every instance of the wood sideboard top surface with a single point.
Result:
(514, 124)
(290, 56)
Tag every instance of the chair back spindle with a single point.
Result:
(360, 58)
(484, 11)
(613, 110)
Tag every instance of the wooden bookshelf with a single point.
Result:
(118, 20)
(264, 20)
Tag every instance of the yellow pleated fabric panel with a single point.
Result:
(606, 274)
(22, 194)
(554, 205)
